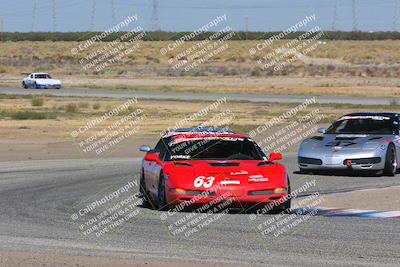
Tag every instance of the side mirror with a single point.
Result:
(275, 156)
(144, 148)
(152, 157)
(322, 130)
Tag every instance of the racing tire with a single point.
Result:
(147, 203)
(34, 85)
(304, 171)
(161, 198)
(390, 161)
(24, 85)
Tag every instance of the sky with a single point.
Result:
(188, 15)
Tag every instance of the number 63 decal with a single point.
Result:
(206, 182)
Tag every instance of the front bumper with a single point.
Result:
(342, 162)
(237, 200)
(48, 86)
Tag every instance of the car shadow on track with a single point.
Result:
(231, 209)
(348, 173)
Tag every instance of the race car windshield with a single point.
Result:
(215, 149)
(42, 76)
(363, 126)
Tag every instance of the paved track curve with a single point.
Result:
(37, 199)
(355, 100)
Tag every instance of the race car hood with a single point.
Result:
(344, 142)
(48, 81)
(228, 172)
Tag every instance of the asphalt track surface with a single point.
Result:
(37, 199)
(199, 96)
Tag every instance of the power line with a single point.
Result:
(354, 14)
(33, 15)
(154, 24)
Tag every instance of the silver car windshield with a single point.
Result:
(363, 126)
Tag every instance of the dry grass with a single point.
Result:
(160, 115)
(235, 60)
(361, 52)
(357, 68)
(375, 52)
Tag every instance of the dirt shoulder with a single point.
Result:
(29, 259)
(20, 150)
(389, 199)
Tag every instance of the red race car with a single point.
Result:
(194, 166)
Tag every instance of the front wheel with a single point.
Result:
(390, 161)
(143, 191)
(24, 85)
(304, 171)
(162, 202)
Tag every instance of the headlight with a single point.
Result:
(180, 191)
(371, 145)
(305, 141)
(279, 190)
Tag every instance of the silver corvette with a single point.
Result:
(357, 141)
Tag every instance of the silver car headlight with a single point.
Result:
(371, 145)
(305, 141)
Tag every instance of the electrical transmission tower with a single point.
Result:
(93, 15)
(1, 30)
(54, 15)
(33, 15)
(154, 24)
(113, 12)
(396, 15)
(334, 16)
(246, 19)
(354, 14)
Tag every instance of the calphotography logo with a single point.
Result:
(186, 58)
(109, 212)
(107, 131)
(98, 57)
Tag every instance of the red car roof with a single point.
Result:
(203, 134)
